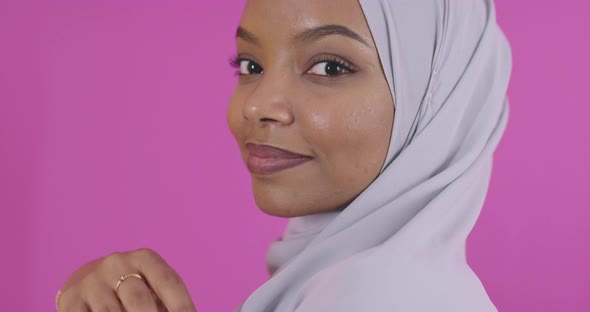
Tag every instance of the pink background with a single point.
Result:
(113, 137)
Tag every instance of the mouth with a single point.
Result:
(265, 159)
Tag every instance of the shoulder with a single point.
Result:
(369, 285)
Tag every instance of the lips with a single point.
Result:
(265, 159)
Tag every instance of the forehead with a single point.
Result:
(283, 19)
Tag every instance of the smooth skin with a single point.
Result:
(310, 82)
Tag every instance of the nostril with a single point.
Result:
(267, 120)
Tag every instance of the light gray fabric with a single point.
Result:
(400, 245)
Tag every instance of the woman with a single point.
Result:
(372, 126)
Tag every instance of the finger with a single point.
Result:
(164, 281)
(136, 296)
(100, 296)
(159, 303)
(133, 293)
(75, 307)
(71, 301)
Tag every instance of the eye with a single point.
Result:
(245, 66)
(248, 67)
(330, 68)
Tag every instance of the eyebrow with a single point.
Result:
(308, 35)
(246, 35)
(316, 33)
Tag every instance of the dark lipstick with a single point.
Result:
(265, 159)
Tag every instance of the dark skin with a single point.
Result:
(310, 83)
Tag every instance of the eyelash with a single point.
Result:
(349, 68)
(235, 60)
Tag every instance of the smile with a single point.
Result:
(265, 159)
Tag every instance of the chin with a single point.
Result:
(278, 201)
(288, 202)
(277, 208)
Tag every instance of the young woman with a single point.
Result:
(371, 124)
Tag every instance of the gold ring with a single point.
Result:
(125, 277)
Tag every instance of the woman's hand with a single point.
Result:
(93, 287)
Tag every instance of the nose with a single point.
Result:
(268, 103)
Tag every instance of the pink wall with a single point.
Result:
(113, 137)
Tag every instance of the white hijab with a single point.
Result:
(400, 245)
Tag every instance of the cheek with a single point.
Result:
(350, 134)
(234, 115)
(236, 122)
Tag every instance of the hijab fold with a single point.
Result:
(400, 245)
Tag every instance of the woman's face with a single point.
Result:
(312, 112)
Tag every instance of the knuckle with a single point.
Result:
(145, 253)
(113, 260)
(148, 256)
(171, 279)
